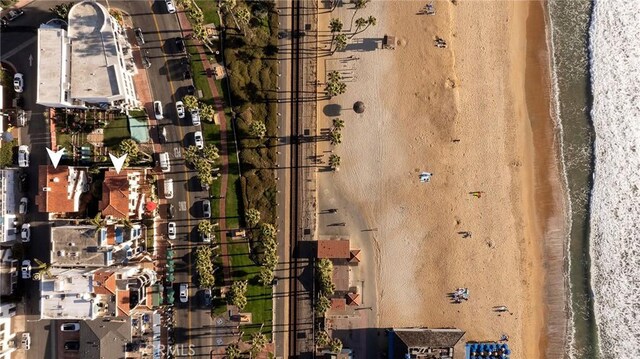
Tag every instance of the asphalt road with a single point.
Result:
(17, 44)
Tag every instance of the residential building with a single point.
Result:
(124, 194)
(8, 271)
(104, 339)
(339, 251)
(60, 190)
(423, 343)
(87, 294)
(90, 64)
(87, 246)
(9, 198)
(7, 334)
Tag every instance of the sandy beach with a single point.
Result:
(477, 115)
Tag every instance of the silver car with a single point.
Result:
(184, 292)
(206, 208)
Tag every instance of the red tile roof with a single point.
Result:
(338, 304)
(333, 249)
(55, 199)
(104, 282)
(115, 195)
(355, 256)
(353, 299)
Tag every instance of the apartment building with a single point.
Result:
(60, 190)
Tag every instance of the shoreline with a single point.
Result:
(550, 204)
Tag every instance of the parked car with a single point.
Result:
(23, 183)
(13, 14)
(195, 116)
(72, 346)
(171, 8)
(23, 156)
(168, 188)
(24, 205)
(180, 109)
(179, 44)
(205, 238)
(146, 62)
(157, 110)
(171, 230)
(18, 82)
(25, 232)
(165, 163)
(186, 75)
(206, 208)
(26, 341)
(26, 269)
(171, 211)
(185, 62)
(139, 35)
(191, 89)
(206, 297)
(70, 327)
(199, 141)
(184, 292)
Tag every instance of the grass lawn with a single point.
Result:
(200, 79)
(210, 11)
(259, 297)
(116, 131)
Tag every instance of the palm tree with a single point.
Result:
(258, 342)
(268, 230)
(252, 216)
(360, 23)
(322, 305)
(334, 76)
(335, 88)
(232, 351)
(238, 292)
(206, 228)
(371, 21)
(62, 10)
(258, 129)
(335, 25)
(97, 221)
(340, 42)
(44, 270)
(338, 123)
(359, 4)
(322, 338)
(265, 276)
(335, 137)
(334, 162)
(207, 111)
(190, 102)
(336, 346)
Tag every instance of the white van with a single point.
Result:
(168, 188)
(165, 165)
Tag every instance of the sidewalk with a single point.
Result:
(218, 106)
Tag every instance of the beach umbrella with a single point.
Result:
(358, 107)
(150, 206)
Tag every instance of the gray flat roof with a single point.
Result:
(77, 245)
(67, 295)
(51, 52)
(93, 52)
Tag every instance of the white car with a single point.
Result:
(18, 82)
(168, 188)
(197, 137)
(23, 156)
(180, 109)
(157, 110)
(195, 116)
(206, 208)
(26, 341)
(70, 327)
(25, 232)
(24, 205)
(184, 293)
(171, 230)
(171, 8)
(26, 269)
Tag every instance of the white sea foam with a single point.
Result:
(615, 204)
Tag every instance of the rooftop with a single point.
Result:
(115, 195)
(52, 51)
(104, 339)
(79, 245)
(60, 189)
(68, 294)
(334, 249)
(94, 53)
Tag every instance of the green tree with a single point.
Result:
(205, 267)
(62, 10)
(206, 228)
(259, 341)
(210, 153)
(243, 15)
(258, 129)
(98, 221)
(335, 346)
(322, 305)
(338, 123)
(340, 43)
(44, 270)
(190, 102)
(265, 276)
(359, 4)
(335, 25)
(334, 162)
(232, 351)
(206, 111)
(335, 88)
(362, 25)
(324, 268)
(268, 230)
(237, 294)
(252, 217)
(229, 4)
(323, 339)
(132, 149)
(335, 137)
(334, 76)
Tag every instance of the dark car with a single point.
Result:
(23, 184)
(186, 74)
(206, 297)
(171, 210)
(180, 44)
(191, 89)
(184, 61)
(13, 14)
(146, 62)
(72, 346)
(139, 35)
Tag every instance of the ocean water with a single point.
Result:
(570, 48)
(615, 202)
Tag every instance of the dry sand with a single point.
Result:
(419, 99)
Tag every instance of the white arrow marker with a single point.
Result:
(55, 156)
(118, 162)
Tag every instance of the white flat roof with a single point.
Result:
(51, 54)
(68, 295)
(94, 53)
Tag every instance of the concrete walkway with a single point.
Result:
(218, 106)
